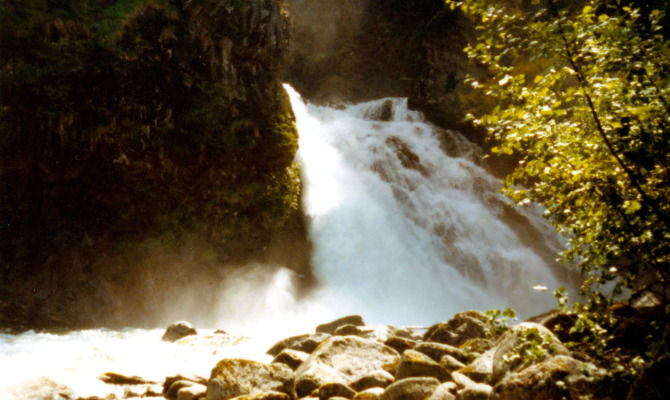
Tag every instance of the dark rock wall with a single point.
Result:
(142, 146)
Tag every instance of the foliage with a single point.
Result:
(581, 99)
(499, 321)
(533, 347)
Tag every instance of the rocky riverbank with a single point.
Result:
(469, 357)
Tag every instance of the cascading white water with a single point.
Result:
(407, 228)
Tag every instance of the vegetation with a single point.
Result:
(581, 93)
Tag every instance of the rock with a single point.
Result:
(328, 390)
(269, 395)
(436, 351)
(481, 369)
(555, 378)
(113, 378)
(343, 359)
(350, 329)
(330, 327)
(192, 392)
(469, 389)
(444, 392)
(379, 379)
(413, 363)
(558, 322)
(477, 346)
(175, 387)
(411, 389)
(450, 363)
(460, 328)
(400, 344)
(306, 343)
(238, 377)
(519, 338)
(292, 358)
(373, 393)
(171, 392)
(178, 330)
(386, 111)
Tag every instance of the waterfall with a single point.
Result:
(407, 225)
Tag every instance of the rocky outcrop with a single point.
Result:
(236, 377)
(178, 330)
(137, 145)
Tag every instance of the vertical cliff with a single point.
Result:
(142, 143)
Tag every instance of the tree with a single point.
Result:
(582, 102)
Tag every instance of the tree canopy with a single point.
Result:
(581, 100)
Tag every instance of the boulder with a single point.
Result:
(292, 358)
(306, 343)
(171, 387)
(114, 378)
(460, 328)
(178, 330)
(269, 395)
(379, 379)
(328, 390)
(450, 363)
(508, 354)
(555, 378)
(192, 392)
(400, 344)
(444, 392)
(373, 393)
(436, 351)
(332, 326)
(413, 363)
(343, 359)
(481, 369)
(350, 329)
(238, 377)
(469, 389)
(411, 389)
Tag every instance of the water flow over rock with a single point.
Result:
(407, 226)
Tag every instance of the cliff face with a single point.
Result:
(142, 143)
(356, 50)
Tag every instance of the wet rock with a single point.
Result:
(414, 363)
(238, 377)
(386, 111)
(436, 351)
(400, 344)
(343, 359)
(459, 329)
(306, 343)
(519, 338)
(411, 389)
(330, 327)
(192, 392)
(172, 384)
(114, 378)
(292, 358)
(178, 330)
(554, 378)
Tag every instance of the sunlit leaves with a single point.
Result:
(582, 102)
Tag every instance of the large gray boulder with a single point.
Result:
(555, 378)
(238, 377)
(345, 360)
(510, 351)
